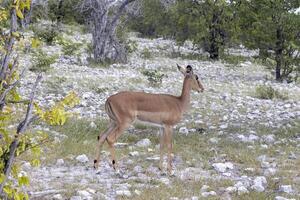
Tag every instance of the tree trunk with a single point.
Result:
(213, 37)
(279, 53)
(104, 18)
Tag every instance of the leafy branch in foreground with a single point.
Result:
(17, 140)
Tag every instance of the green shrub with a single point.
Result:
(71, 48)
(154, 77)
(42, 61)
(146, 54)
(268, 92)
(46, 33)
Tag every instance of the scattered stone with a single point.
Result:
(214, 140)
(270, 172)
(60, 162)
(26, 166)
(269, 139)
(137, 192)
(259, 184)
(93, 125)
(292, 156)
(242, 190)
(194, 198)
(143, 143)
(204, 188)
(138, 169)
(286, 189)
(165, 181)
(126, 193)
(134, 153)
(84, 194)
(222, 167)
(210, 193)
(183, 130)
(282, 198)
(57, 197)
(120, 144)
(231, 189)
(82, 158)
(76, 198)
(153, 158)
(224, 126)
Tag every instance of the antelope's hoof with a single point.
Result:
(96, 164)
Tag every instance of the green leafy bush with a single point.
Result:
(146, 54)
(42, 61)
(268, 92)
(154, 77)
(70, 48)
(46, 33)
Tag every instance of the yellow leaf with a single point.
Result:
(19, 14)
(35, 43)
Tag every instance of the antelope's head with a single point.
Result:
(188, 73)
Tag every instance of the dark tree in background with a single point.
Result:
(273, 27)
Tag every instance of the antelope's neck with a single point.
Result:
(185, 94)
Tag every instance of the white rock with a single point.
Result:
(213, 140)
(165, 181)
(126, 193)
(60, 162)
(137, 192)
(286, 188)
(260, 180)
(26, 166)
(82, 158)
(270, 172)
(252, 137)
(258, 188)
(231, 189)
(210, 193)
(224, 126)
(242, 190)
(204, 188)
(194, 198)
(76, 198)
(143, 143)
(83, 193)
(183, 130)
(134, 153)
(269, 139)
(57, 197)
(93, 125)
(282, 198)
(222, 167)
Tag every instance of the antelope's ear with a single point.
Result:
(181, 69)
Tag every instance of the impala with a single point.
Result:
(163, 110)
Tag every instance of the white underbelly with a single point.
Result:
(148, 123)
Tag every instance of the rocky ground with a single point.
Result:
(230, 145)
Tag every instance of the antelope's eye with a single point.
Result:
(197, 77)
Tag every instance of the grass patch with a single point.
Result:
(268, 92)
(233, 60)
(81, 139)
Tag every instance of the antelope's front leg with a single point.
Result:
(161, 148)
(169, 134)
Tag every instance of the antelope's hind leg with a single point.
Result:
(101, 139)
